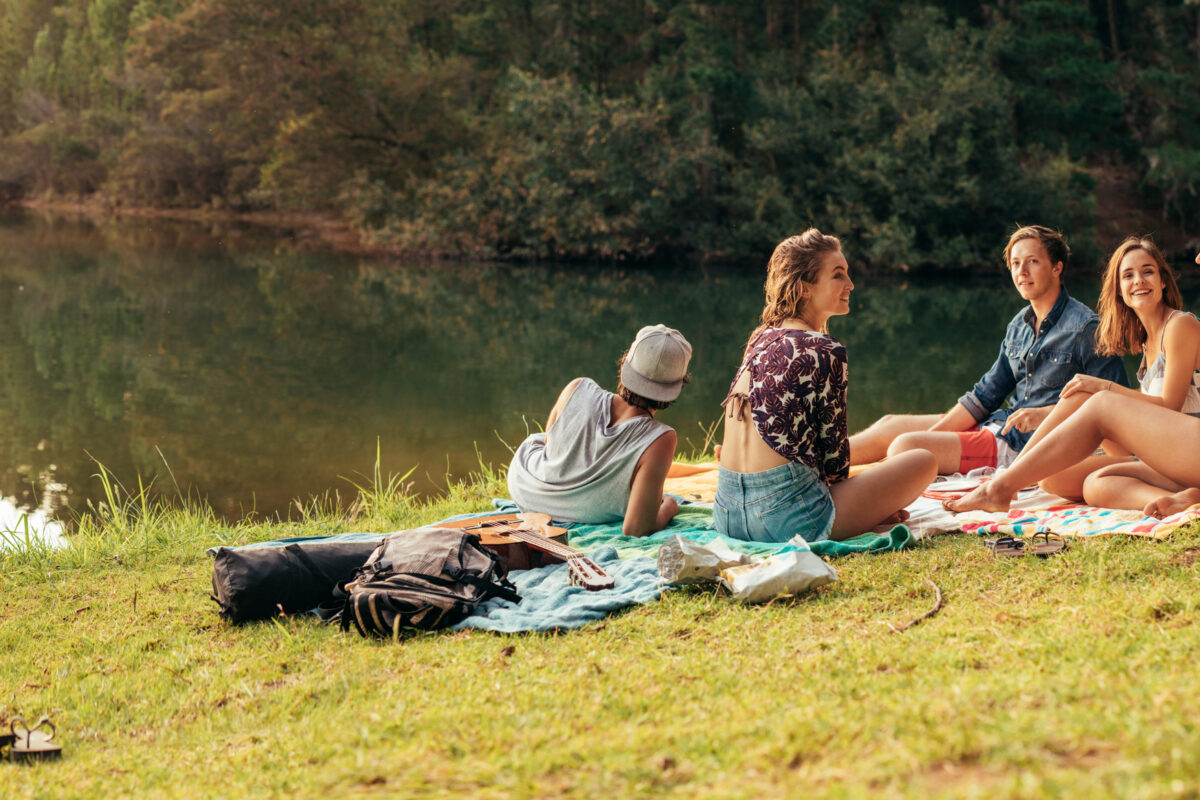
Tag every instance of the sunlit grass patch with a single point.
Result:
(1070, 676)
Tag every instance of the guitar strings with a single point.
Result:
(530, 537)
(505, 528)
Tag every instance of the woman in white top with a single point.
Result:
(1139, 313)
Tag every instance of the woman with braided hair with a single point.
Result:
(784, 462)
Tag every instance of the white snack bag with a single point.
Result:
(782, 574)
(682, 561)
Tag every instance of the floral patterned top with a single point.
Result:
(798, 398)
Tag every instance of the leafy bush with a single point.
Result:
(564, 172)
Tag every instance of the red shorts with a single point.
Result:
(978, 450)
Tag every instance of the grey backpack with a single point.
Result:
(423, 579)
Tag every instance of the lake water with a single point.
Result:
(260, 373)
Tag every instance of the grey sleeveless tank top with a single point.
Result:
(583, 473)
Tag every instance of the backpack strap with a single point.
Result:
(502, 588)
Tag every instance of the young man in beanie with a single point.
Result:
(603, 456)
(1044, 346)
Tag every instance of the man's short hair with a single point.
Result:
(1054, 242)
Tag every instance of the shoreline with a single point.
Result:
(310, 229)
(325, 230)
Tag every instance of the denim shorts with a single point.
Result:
(773, 506)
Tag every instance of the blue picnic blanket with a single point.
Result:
(695, 522)
(549, 602)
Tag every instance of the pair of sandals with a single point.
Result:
(19, 742)
(1042, 544)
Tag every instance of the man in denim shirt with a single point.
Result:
(1044, 346)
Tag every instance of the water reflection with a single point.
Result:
(23, 528)
(216, 365)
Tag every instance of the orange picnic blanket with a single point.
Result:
(698, 482)
(695, 482)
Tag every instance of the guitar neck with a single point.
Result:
(583, 571)
(539, 542)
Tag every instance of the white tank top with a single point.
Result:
(1151, 378)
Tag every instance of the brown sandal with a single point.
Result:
(33, 744)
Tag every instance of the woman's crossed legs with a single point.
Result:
(872, 497)
(1165, 441)
(1136, 485)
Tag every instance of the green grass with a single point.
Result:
(1074, 676)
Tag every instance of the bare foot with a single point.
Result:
(1170, 504)
(987, 497)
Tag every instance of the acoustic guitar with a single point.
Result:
(528, 540)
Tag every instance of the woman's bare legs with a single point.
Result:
(1062, 410)
(874, 496)
(1135, 485)
(1165, 440)
(1069, 482)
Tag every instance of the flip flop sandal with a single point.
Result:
(33, 744)
(1006, 546)
(1046, 543)
(1042, 544)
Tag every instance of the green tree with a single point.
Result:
(682, 127)
(1064, 87)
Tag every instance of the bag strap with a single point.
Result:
(502, 589)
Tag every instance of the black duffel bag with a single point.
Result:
(252, 583)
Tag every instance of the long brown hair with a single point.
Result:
(1120, 330)
(795, 263)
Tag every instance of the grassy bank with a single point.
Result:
(1073, 676)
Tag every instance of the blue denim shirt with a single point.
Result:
(1033, 368)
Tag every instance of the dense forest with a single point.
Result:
(625, 129)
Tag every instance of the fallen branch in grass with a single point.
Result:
(937, 606)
